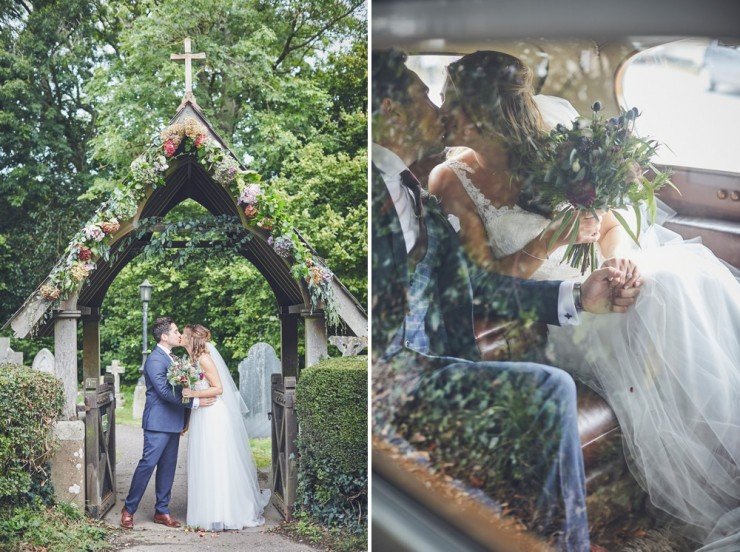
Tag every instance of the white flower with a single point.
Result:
(454, 222)
(576, 166)
(94, 232)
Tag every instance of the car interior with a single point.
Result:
(686, 81)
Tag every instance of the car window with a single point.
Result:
(689, 94)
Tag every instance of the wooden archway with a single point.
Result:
(185, 178)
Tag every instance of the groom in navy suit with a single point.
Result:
(163, 422)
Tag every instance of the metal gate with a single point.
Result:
(100, 446)
(284, 451)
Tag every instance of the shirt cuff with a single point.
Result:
(196, 403)
(567, 312)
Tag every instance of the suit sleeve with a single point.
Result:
(498, 295)
(157, 372)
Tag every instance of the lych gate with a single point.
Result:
(57, 306)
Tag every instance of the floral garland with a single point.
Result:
(263, 207)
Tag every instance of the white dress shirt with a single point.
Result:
(196, 400)
(391, 166)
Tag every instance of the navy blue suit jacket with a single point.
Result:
(164, 409)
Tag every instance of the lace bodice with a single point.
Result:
(509, 229)
(202, 384)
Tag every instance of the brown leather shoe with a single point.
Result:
(166, 519)
(127, 520)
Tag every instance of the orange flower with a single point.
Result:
(250, 211)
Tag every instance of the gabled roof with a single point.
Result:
(186, 178)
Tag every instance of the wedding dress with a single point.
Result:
(669, 367)
(223, 490)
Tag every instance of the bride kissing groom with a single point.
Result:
(223, 489)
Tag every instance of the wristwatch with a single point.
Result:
(577, 296)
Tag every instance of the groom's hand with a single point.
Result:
(604, 292)
(206, 401)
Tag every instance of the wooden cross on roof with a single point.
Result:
(188, 58)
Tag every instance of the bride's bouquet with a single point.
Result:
(596, 165)
(184, 373)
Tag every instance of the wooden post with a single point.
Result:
(65, 354)
(91, 345)
(289, 344)
(284, 449)
(316, 340)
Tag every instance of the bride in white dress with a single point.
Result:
(223, 489)
(670, 366)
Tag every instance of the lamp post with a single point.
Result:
(145, 290)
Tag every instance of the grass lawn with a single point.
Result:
(261, 448)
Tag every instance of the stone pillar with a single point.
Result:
(68, 463)
(65, 354)
(316, 340)
(289, 344)
(91, 345)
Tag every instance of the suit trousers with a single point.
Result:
(160, 452)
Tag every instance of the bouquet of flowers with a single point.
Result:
(596, 165)
(184, 373)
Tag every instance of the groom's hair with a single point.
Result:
(161, 326)
(390, 77)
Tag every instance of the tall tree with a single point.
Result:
(84, 87)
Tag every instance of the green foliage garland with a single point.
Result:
(264, 208)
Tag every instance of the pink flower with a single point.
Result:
(169, 148)
(202, 375)
(199, 140)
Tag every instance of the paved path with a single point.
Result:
(148, 536)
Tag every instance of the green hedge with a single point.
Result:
(331, 402)
(30, 401)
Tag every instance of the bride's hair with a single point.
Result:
(200, 336)
(495, 92)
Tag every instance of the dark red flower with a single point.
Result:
(84, 253)
(581, 193)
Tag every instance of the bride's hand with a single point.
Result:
(188, 393)
(604, 291)
(628, 267)
(589, 230)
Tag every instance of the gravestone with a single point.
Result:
(348, 345)
(44, 361)
(139, 399)
(7, 354)
(255, 373)
(116, 369)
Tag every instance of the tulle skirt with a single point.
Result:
(223, 489)
(670, 369)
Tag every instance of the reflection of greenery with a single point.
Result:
(489, 432)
